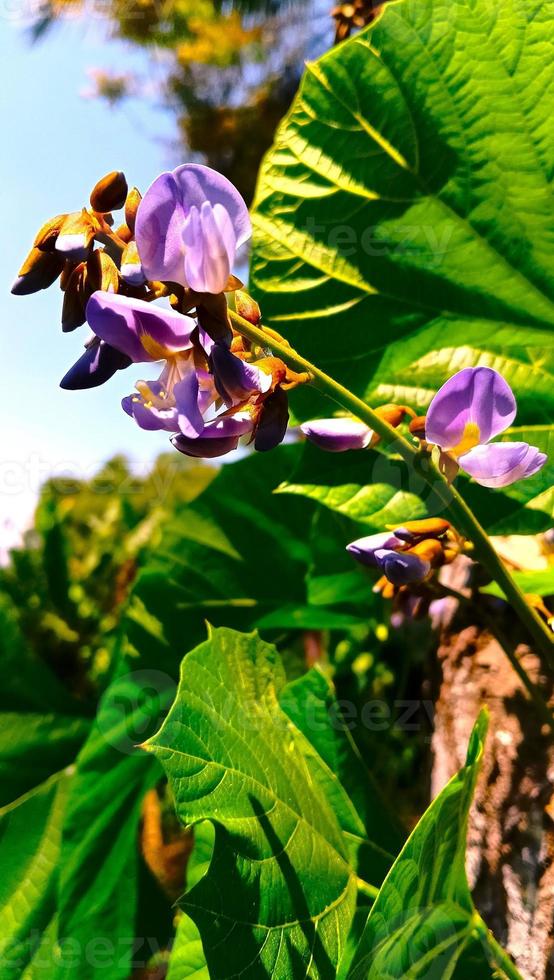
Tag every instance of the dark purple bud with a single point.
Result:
(97, 365)
(273, 421)
(235, 379)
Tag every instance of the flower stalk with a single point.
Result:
(462, 517)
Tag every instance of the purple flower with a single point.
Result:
(337, 435)
(140, 330)
(218, 437)
(471, 408)
(235, 379)
(189, 226)
(381, 551)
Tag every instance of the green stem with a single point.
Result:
(462, 517)
(370, 891)
(502, 959)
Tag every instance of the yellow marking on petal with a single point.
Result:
(150, 399)
(470, 439)
(156, 350)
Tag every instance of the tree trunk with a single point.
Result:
(510, 857)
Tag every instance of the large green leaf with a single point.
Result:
(376, 490)
(403, 219)
(30, 844)
(280, 893)
(374, 835)
(423, 920)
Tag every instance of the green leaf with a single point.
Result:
(403, 218)
(376, 490)
(30, 844)
(187, 960)
(99, 857)
(373, 833)
(423, 918)
(35, 746)
(280, 894)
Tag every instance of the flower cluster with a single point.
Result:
(470, 409)
(408, 553)
(179, 243)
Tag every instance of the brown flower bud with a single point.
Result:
(76, 235)
(39, 270)
(247, 307)
(124, 233)
(74, 300)
(109, 193)
(429, 527)
(393, 414)
(48, 234)
(134, 198)
(417, 426)
(101, 273)
(430, 550)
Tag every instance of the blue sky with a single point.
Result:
(55, 145)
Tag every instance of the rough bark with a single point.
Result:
(511, 834)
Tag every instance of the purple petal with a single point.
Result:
(146, 413)
(218, 438)
(273, 421)
(363, 549)
(186, 393)
(337, 435)
(142, 331)
(235, 379)
(502, 463)
(164, 210)
(97, 365)
(401, 568)
(210, 248)
(478, 398)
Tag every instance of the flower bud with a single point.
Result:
(393, 414)
(272, 421)
(430, 527)
(76, 235)
(109, 193)
(74, 302)
(429, 550)
(101, 273)
(39, 271)
(131, 269)
(48, 234)
(247, 307)
(417, 427)
(134, 198)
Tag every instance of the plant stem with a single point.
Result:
(370, 891)
(462, 517)
(503, 960)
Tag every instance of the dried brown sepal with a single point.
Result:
(233, 283)
(134, 197)
(39, 271)
(247, 308)
(48, 235)
(82, 223)
(538, 604)
(109, 193)
(394, 414)
(448, 467)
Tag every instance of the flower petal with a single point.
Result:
(235, 379)
(479, 397)
(218, 438)
(97, 365)
(272, 421)
(186, 394)
(210, 248)
(337, 435)
(401, 568)
(363, 549)
(502, 463)
(165, 208)
(142, 331)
